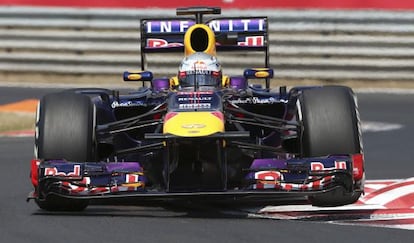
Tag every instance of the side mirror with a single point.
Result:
(258, 73)
(138, 76)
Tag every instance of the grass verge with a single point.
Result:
(15, 121)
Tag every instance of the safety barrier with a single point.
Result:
(304, 44)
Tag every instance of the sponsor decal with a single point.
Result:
(220, 25)
(252, 41)
(168, 26)
(195, 106)
(199, 67)
(249, 41)
(161, 43)
(195, 93)
(193, 126)
(126, 104)
(195, 98)
(53, 171)
(318, 166)
(254, 100)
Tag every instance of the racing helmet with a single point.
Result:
(199, 69)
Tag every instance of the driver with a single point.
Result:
(199, 71)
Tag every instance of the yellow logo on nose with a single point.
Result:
(192, 126)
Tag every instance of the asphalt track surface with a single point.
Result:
(389, 154)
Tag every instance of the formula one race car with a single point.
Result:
(199, 134)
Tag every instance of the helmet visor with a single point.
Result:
(194, 79)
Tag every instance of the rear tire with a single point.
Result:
(330, 126)
(65, 130)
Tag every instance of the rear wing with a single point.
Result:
(231, 34)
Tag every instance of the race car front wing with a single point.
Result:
(266, 178)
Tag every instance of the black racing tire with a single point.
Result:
(331, 125)
(65, 127)
(65, 130)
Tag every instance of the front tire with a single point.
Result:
(65, 130)
(66, 127)
(330, 121)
